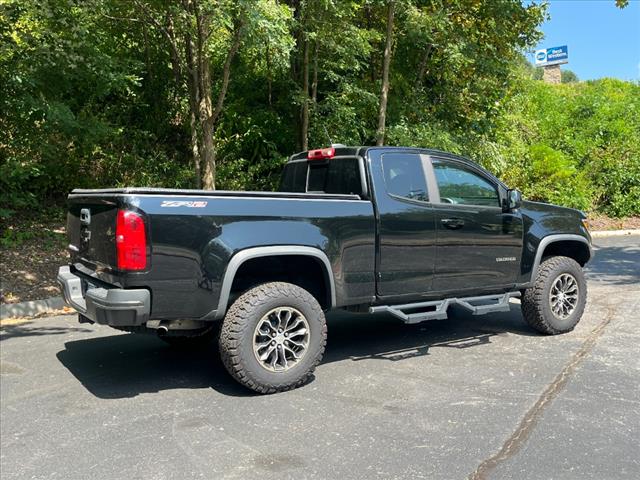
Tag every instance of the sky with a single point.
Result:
(603, 40)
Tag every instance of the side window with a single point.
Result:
(404, 176)
(459, 185)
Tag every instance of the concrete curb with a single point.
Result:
(614, 233)
(29, 309)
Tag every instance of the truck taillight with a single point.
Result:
(321, 153)
(131, 241)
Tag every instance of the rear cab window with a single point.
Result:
(335, 176)
(404, 176)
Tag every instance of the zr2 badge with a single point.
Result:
(178, 203)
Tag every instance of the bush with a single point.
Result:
(576, 144)
(552, 176)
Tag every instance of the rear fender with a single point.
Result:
(242, 256)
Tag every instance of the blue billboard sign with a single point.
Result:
(552, 56)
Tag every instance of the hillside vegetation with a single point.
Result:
(574, 144)
(190, 93)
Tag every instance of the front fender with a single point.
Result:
(539, 250)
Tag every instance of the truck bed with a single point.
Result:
(192, 235)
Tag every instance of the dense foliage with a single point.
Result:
(201, 92)
(575, 144)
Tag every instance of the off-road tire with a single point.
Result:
(536, 309)
(237, 336)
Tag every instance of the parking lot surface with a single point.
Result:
(468, 397)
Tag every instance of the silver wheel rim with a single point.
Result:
(281, 339)
(563, 296)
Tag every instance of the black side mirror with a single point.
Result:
(514, 199)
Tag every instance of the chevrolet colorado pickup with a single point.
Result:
(405, 231)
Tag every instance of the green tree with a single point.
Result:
(216, 93)
(205, 37)
(67, 89)
(386, 64)
(568, 76)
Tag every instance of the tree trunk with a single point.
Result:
(205, 106)
(269, 76)
(384, 94)
(203, 115)
(304, 126)
(314, 82)
(208, 157)
(175, 55)
(147, 56)
(208, 116)
(422, 69)
(195, 146)
(206, 126)
(297, 34)
(295, 57)
(226, 69)
(193, 85)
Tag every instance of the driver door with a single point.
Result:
(478, 246)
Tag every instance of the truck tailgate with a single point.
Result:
(91, 227)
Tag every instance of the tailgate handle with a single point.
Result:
(85, 216)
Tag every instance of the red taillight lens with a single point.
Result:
(131, 241)
(321, 153)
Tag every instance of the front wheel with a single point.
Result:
(273, 337)
(556, 301)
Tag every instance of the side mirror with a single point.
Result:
(514, 199)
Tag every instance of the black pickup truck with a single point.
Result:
(405, 231)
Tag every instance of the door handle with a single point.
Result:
(452, 223)
(85, 216)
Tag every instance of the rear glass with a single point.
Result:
(339, 176)
(294, 177)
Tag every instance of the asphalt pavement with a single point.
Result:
(468, 397)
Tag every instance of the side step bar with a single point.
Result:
(476, 305)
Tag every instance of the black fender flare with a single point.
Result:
(236, 261)
(548, 240)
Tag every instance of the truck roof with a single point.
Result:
(348, 151)
(340, 151)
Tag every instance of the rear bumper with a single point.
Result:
(107, 306)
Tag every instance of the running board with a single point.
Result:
(499, 303)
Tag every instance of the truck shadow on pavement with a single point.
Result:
(615, 265)
(35, 329)
(127, 365)
(382, 337)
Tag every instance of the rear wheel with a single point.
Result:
(558, 297)
(273, 337)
